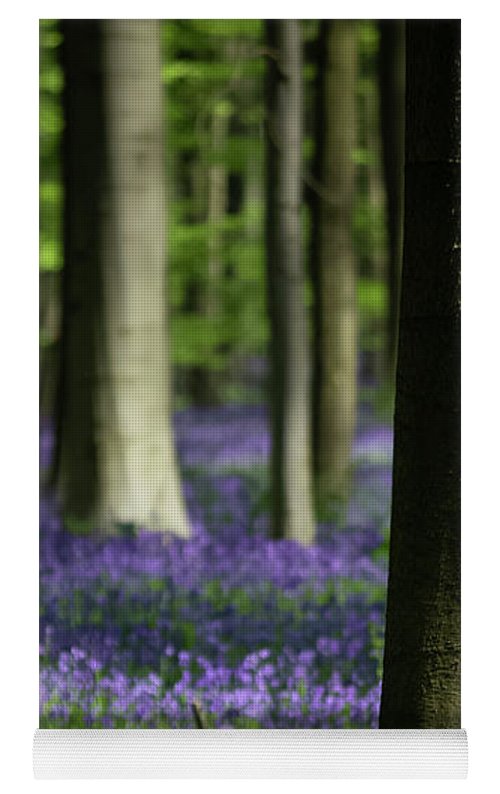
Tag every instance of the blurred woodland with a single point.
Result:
(228, 339)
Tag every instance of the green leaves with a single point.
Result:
(51, 125)
(51, 117)
(372, 298)
(181, 70)
(50, 37)
(210, 73)
(78, 526)
(368, 37)
(51, 258)
(363, 156)
(52, 79)
(195, 339)
(51, 192)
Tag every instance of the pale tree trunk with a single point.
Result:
(137, 465)
(336, 309)
(75, 472)
(392, 114)
(293, 515)
(421, 679)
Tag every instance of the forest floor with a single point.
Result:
(257, 633)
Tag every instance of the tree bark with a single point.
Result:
(392, 115)
(50, 329)
(293, 515)
(197, 382)
(137, 464)
(421, 684)
(210, 199)
(335, 393)
(217, 199)
(75, 470)
(217, 207)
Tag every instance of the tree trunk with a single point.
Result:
(421, 685)
(197, 385)
(217, 206)
(217, 200)
(210, 194)
(392, 115)
(335, 393)
(293, 515)
(50, 330)
(137, 465)
(375, 177)
(75, 462)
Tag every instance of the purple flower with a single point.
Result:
(270, 633)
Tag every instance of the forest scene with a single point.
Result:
(249, 373)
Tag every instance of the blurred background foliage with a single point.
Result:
(214, 77)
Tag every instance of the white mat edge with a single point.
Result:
(250, 754)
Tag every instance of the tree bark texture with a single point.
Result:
(293, 515)
(335, 392)
(50, 331)
(75, 469)
(421, 683)
(140, 483)
(392, 115)
(217, 208)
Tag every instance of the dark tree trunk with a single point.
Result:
(392, 117)
(421, 685)
(49, 324)
(115, 461)
(293, 515)
(75, 468)
(314, 202)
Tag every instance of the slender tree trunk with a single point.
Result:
(137, 465)
(217, 207)
(392, 113)
(421, 685)
(335, 393)
(217, 200)
(370, 177)
(293, 515)
(196, 376)
(75, 465)
(376, 186)
(50, 330)
(210, 191)
(378, 328)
